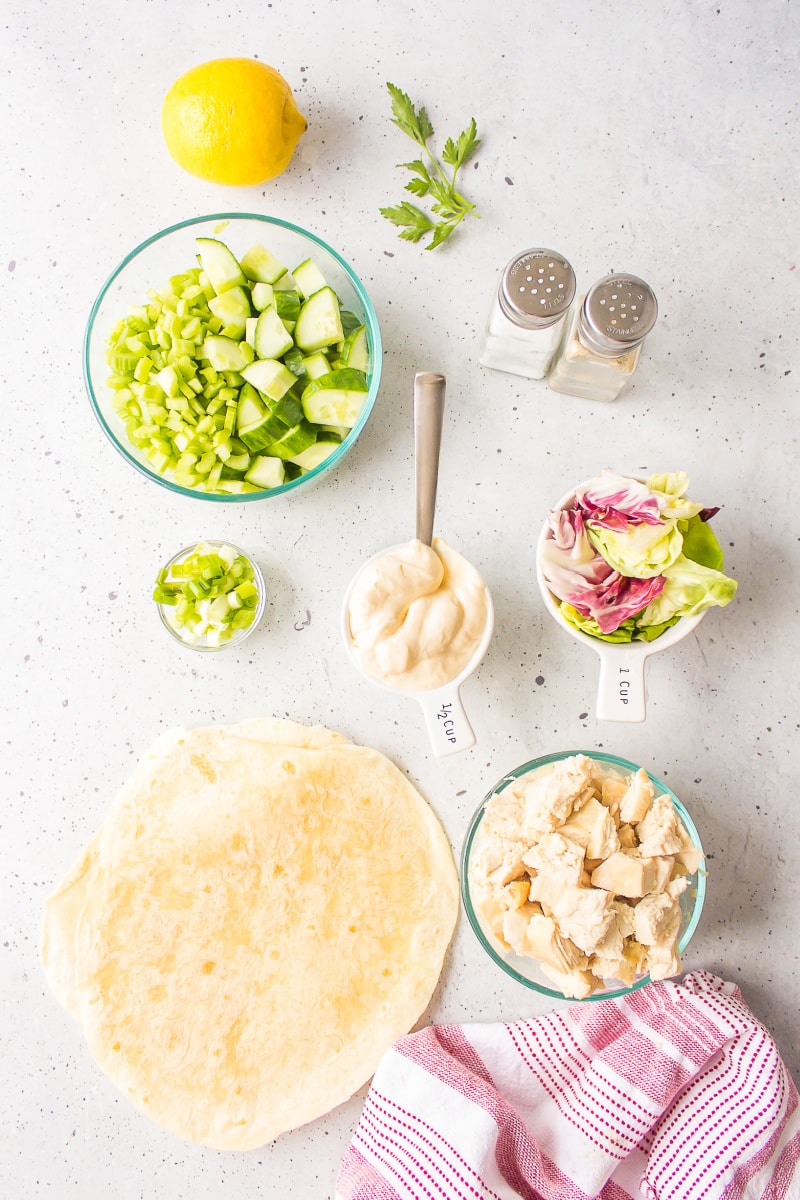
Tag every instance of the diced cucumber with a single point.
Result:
(336, 398)
(294, 441)
(287, 305)
(233, 309)
(262, 296)
(263, 432)
(294, 360)
(349, 321)
(266, 472)
(271, 339)
(269, 376)
(316, 365)
(319, 324)
(314, 455)
(221, 267)
(355, 351)
(261, 265)
(196, 397)
(250, 409)
(309, 278)
(225, 354)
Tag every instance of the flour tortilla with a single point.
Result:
(264, 910)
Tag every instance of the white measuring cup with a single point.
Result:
(445, 718)
(621, 690)
(447, 723)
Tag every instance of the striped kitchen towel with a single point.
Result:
(673, 1092)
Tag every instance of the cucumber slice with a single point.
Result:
(287, 305)
(233, 309)
(355, 351)
(286, 283)
(294, 441)
(316, 365)
(269, 376)
(314, 455)
(294, 360)
(266, 472)
(225, 354)
(271, 338)
(250, 331)
(262, 296)
(349, 321)
(221, 267)
(336, 398)
(260, 436)
(261, 265)
(319, 324)
(309, 278)
(250, 409)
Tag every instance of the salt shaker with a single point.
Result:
(602, 338)
(527, 316)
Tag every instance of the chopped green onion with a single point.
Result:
(211, 594)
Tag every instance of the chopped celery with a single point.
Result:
(180, 361)
(210, 593)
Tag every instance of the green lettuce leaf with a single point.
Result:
(640, 551)
(628, 631)
(670, 491)
(690, 589)
(701, 546)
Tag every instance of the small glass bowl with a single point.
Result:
(527, 970)
(240, 635)
(172, 251)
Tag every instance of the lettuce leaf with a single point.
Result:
(700, 544)
(628, 631)
(690, 588)
(640, 551)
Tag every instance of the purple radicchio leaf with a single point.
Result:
(616, 599)
(568, 559)
(616, 502)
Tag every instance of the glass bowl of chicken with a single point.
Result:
(583, 876)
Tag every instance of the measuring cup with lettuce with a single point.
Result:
(630, 566)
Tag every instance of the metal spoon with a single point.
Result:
(428, 418)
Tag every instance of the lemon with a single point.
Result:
(233, 121)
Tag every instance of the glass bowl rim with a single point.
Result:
(371, 320)
(261, 583)
(469, 837)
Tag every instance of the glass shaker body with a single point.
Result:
(528, 313)
(602, 338)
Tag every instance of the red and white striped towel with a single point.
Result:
(674, 1092)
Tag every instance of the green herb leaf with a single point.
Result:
(406, 117)
(441, 232)
(455, 154)
(416, 222)
(431, 179)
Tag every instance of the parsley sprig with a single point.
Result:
(430, 178)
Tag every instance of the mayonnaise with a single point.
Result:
(416, 616)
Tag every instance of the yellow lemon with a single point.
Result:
(232, 120)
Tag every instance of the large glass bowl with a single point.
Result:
(173, 251)
(527, 970)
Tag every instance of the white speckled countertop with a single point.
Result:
(658, 139)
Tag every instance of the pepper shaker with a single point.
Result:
(602, 338)
(527, 316)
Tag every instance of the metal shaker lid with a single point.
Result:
(537, 288)
(617, 314)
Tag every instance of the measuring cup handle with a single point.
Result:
(448, 727)
(620, 690)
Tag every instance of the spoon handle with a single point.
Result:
(428, 415)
